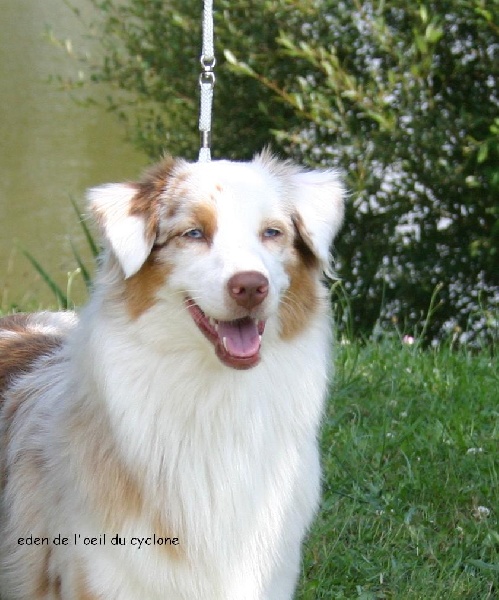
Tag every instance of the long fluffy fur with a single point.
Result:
(127, 423)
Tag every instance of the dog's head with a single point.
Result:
(238, 246)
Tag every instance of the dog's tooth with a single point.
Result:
(260, 338)
(224, 342)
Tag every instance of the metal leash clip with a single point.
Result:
(206, 83)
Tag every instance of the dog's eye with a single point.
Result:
(194, 234)
(272, 232)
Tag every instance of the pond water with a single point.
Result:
(51, 149)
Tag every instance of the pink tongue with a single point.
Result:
(241, 337)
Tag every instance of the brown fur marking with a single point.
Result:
(115, 493)
(43, 585)
(175, 552)
(57, 587)
(112, 491)
(303, 243)
(19, 351)
(82, 591)
(176, 192)
(301, 300)
(141, 288)
(205, 215)
(149, 191)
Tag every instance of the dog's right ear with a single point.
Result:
(125, 230)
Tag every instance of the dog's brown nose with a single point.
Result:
(248, 288)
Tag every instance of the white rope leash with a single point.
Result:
(206, 82)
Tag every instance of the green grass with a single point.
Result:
(409, 448)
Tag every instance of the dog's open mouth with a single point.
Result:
(237, 343)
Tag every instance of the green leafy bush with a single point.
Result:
(401, 95)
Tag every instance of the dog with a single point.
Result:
(163, 444)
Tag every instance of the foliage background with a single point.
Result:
(401, 96)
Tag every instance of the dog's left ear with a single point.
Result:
(319, 205)
(125, 230)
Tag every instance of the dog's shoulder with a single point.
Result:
(24, 338)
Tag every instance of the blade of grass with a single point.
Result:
(56, 290)
(86, 231)
(83, 270)
(71, 277)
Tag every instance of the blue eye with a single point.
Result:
(194, 234)
(272, 232)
